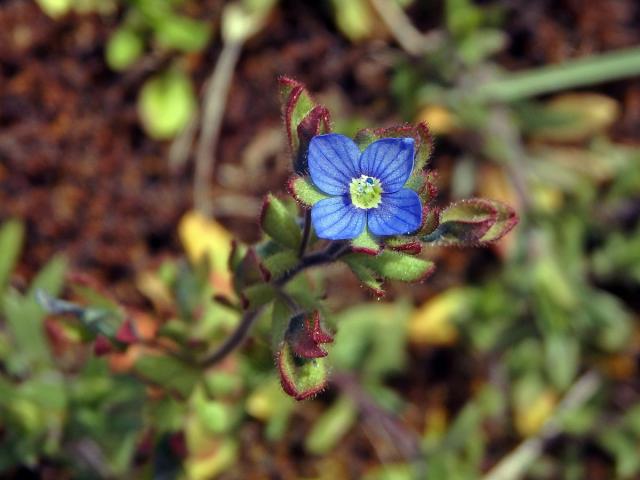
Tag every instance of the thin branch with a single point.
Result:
(235, 339)
(215, 100)
(408, 37)
(516, 464)
(306, 233)
(330, 254)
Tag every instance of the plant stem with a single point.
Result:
(333, 251)
(215, 99)
(515, 465)
(235, 339)
(305, 233)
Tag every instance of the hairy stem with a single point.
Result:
(306, 233)
(237, 337)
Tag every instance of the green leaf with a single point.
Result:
(394, 265)
(280, 263)
(124, 47)
(168, 373)
(472, 222)
(11, 238)
(257, 295)
(280, 318)
(365, 275)
(301, 378)
(51, 278)
(303, 120)
(304, 191)
(331, 427)
(279, 223)
(183, 33)
(25, 319)
(166, 104)
(371, 339)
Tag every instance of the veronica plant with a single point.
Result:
(368, 203)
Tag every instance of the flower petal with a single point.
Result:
(400, 213)
(333, 162)
(390, 160)
(336, 218)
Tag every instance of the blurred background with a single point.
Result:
(137, 136)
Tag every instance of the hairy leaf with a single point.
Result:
(279, 223)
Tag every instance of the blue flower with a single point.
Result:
(365, 188)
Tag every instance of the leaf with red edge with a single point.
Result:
(303, 119)
(301, 378)
(472, 222)
(394, 265)
(420, 133)
(304, 191)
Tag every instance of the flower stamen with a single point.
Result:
(366, 192)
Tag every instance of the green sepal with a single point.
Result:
(472, 222)
(301, 378)
(366, 276)
(279, 263)
(394, 265)
(279, 223)
(304, 191)
(366, 243)
(420, 133)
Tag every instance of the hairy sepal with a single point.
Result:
(301, 378)
(420, 133)
(304, 191)
(303, 119)
(279, 223)
(366, 243)
(472, 222)
(394, 265)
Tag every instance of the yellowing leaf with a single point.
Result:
(432, 323)
(203, 237)
(439, 119)
(582, 115)
(530, 417)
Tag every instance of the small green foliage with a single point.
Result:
(278, 222)
(11, 239)
(168, 372)
(166, 104)
(124, 48)
(305, 192)
(301, 378)
(394, 265)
